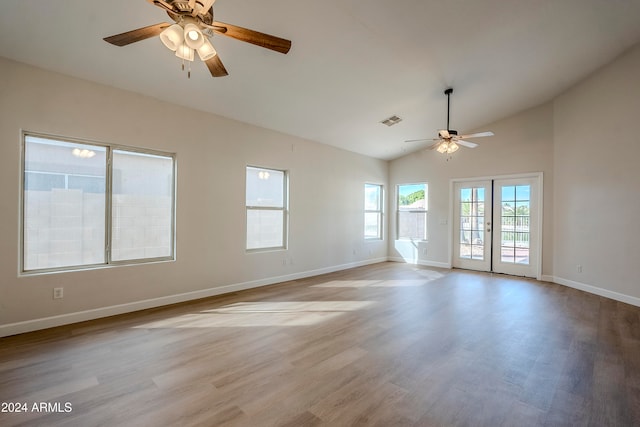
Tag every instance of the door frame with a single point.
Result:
(536, 176)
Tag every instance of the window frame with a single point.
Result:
(379, 211)
(284, 209)
(413, 211)
(108, 194)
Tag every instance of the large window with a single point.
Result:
(266, 205)
(412, 211)
(87, 204)
(372, 211)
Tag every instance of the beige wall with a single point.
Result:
(326, 196)
(522, 144)
(587, 144)
(597, 190)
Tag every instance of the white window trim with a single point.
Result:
(379, 211)
(425, 211)
(284, 209)
(108, 205)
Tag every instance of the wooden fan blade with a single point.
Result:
(476, 135)
(466, 143)
(216, 68)
(163, 5)
(254, 37)
(136, 35)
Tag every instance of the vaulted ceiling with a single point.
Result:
(353, 63)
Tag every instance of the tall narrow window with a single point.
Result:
(372, 211)
(87, 204)
(266, 206)
(412, 211)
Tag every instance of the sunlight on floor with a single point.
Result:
(268, 313)
(431, 275)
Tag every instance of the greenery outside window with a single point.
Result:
(412, 211)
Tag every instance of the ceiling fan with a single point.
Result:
(190, 33)
(448, 140)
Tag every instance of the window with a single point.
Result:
(141, 206)
(86, 204)
(412, 211)
(266, 205)
(372, 211)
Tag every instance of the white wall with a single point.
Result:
(597, 190)
(326, 199)
(522, 144)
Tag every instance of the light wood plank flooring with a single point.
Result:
(383, 345)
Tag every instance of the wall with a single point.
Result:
(326, 200)
(596, 202)
(587, 143)
(522, 143)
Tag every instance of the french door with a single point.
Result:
(496, 225)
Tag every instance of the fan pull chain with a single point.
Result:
(189, 72)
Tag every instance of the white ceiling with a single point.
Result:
(352, 64)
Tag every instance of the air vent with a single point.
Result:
(393, 120)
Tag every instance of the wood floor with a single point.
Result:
(385, 345)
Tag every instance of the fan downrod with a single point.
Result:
(448, 92)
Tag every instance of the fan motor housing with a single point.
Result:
(183, 9)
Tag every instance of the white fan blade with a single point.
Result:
(444, 134)
(466, 143)
(476, 135)
(434, 145)
(423, 140)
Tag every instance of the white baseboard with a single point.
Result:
(598, 291)
(546, 278)
(81, 316)
(421, 262)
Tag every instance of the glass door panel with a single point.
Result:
(496, 225)
(473, 225)
(515, 199)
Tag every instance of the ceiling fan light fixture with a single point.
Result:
(193, 37)
(184, 52)
(452, 147)
(206, 51)
(172, 37)
(442, 148)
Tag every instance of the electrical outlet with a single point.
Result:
(579, 268)
(58, 293)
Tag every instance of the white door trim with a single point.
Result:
(538, 176)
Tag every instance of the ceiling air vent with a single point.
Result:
(391, 121)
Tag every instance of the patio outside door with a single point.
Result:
(496, 225)
(472, 230)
